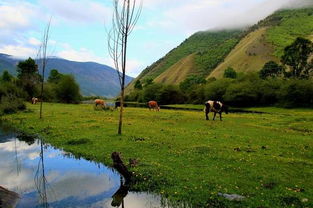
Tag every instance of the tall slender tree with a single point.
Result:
(125, 16)
(42, 57)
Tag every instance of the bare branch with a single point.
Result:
(125, 16)
(42, 53)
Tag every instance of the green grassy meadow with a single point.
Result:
(268, 158)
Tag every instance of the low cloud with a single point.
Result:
(80, 55)
(193, 16)
(18, 51)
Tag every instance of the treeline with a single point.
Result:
(286, 85)
(14, 91)
(243, 91)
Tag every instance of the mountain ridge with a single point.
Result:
(93, 78)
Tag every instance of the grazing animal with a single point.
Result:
(215, 107)
(153, 105)
(34, 100)
(100, 102)
(118, 104)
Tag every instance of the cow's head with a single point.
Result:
(225, 108)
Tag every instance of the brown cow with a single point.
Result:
(34, 100)
(100, 102)
(216, 107)
(153, 105)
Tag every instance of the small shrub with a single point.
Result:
(230, 73)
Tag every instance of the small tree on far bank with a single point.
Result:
(271, 69)
(125, 16)
(54, 76)
(297, 56)
(67, 90)
(138, 85)
(6, 77)
(230, 73)
(28, 77)
(192, 81)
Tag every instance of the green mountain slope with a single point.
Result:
(209, 53)
(207, 48)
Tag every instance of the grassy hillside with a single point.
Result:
(249, 55)
(210, 53)
(204, 47)
(292, 24)
(267, 40)
(179, 71)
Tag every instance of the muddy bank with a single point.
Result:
(8, 198)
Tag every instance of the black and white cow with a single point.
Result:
(215, 107)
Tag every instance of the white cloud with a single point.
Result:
(16, 16)
(81, 55)
(134, 67)
(77, 11)
(17, 19)
(33, 41)
(18, 51)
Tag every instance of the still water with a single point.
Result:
(47, 177)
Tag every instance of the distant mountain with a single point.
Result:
(93, 78)
(209, 53)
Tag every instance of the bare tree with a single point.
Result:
(125, 16)
(42, 57)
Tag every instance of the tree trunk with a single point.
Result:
(123, 71)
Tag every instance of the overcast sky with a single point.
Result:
(78, 26)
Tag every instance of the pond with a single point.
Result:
(47, 177)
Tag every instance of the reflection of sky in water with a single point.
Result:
(71, 182)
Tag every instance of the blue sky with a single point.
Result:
(78, 26)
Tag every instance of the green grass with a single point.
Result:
(186, 106)
(266, 157)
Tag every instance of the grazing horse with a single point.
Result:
(216, 107)
(153, 105)
(34, 100)
(99, 102)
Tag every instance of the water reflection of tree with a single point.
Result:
(120, 194)
(18, 167)
(40, 178)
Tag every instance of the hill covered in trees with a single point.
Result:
(93, 78)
